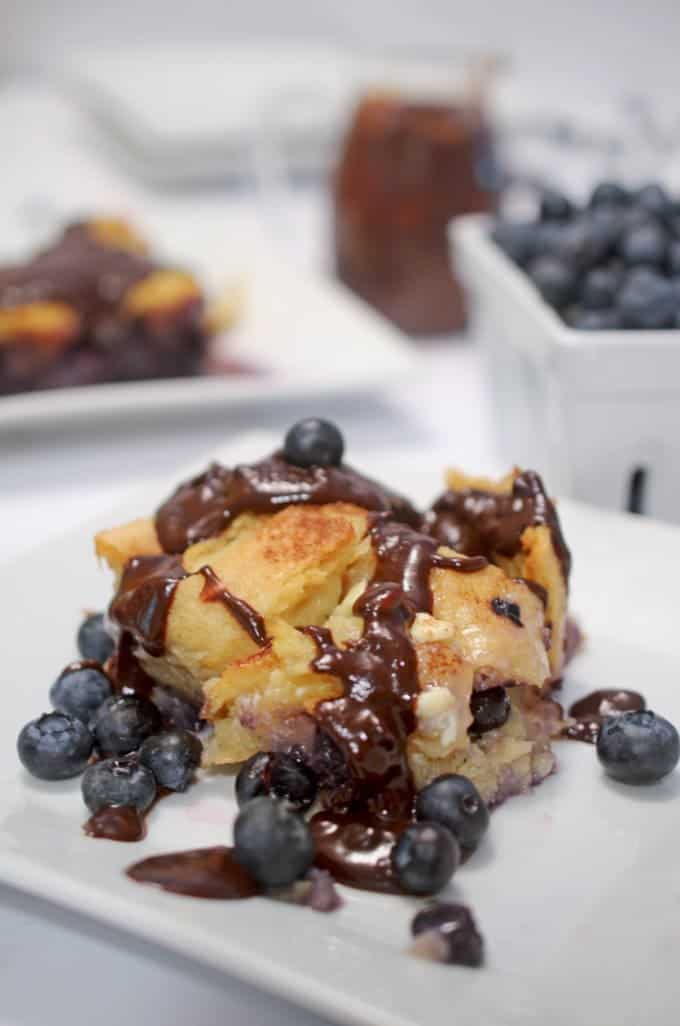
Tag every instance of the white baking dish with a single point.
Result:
(598, 413)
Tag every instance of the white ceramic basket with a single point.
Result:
(598, 413)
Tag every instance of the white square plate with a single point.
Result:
(576, 887)
(303, 334)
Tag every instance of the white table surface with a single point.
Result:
(56, 967)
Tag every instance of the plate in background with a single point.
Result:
(299, 336)
(575, 888)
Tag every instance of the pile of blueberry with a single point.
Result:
(614, 264)
(116, 741)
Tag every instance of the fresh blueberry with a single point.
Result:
(553, 279)
(593, 320)
(555, 206)
(609, 194)
(123, 723)
(118, 782)
(638, 747)
(252, 780)
(93, 640)
(654, 199)
(517, 239)
(647, 245)
(172, 757)
(454, 802)
(176, 710)
(454, 924)
(55, 746)
(80, 690)
(277, 774)
(272, 842)
(673, 224)
(600, 287)
(425, 858)
(586, 242)
(674, 256)
(647, 302)
(490, 710)
(314, 442)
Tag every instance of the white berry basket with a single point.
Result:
(596, 412)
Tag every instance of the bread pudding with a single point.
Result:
(309, 609)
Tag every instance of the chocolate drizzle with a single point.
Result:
(206, 505)
(487, 523)
(201, 873)
(371, 721)
(592, 710)
(116, 823)
(142, 603)
(214, 591)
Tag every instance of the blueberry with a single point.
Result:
(553, 279)
(647, 302)
(93, 640)
(425, 858)
(278, 774)
(517, 239)
(586, 242)
(80, 691)
(252, 780)
(490, 709)
(55, 746)
(118, 782)
(176, 710)
(647, 245)
(638, 747)
(454, 924)
(314, 442)
(609, 194)
(654, 199)
(593, 320)
(674, 256)
(600, 287)
(454, 802)
(123, 723)
(172, 757)
(555, 206)
(272, 842)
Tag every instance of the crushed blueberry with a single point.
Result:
(447, 933)
(510, 610)
(490, 709)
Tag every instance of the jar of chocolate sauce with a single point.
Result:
(410, 162)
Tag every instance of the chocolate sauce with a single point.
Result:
(485, 523)
(201, 873)
(129, 677)
(144, 597)
(203, 507)
(214, 591)
(592, 710)
(77, 270)
(370, 723)
(116, 823)
(357, 849)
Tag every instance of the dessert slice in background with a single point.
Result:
(95, 307)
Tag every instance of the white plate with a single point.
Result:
(303, 334)
(576, 887)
